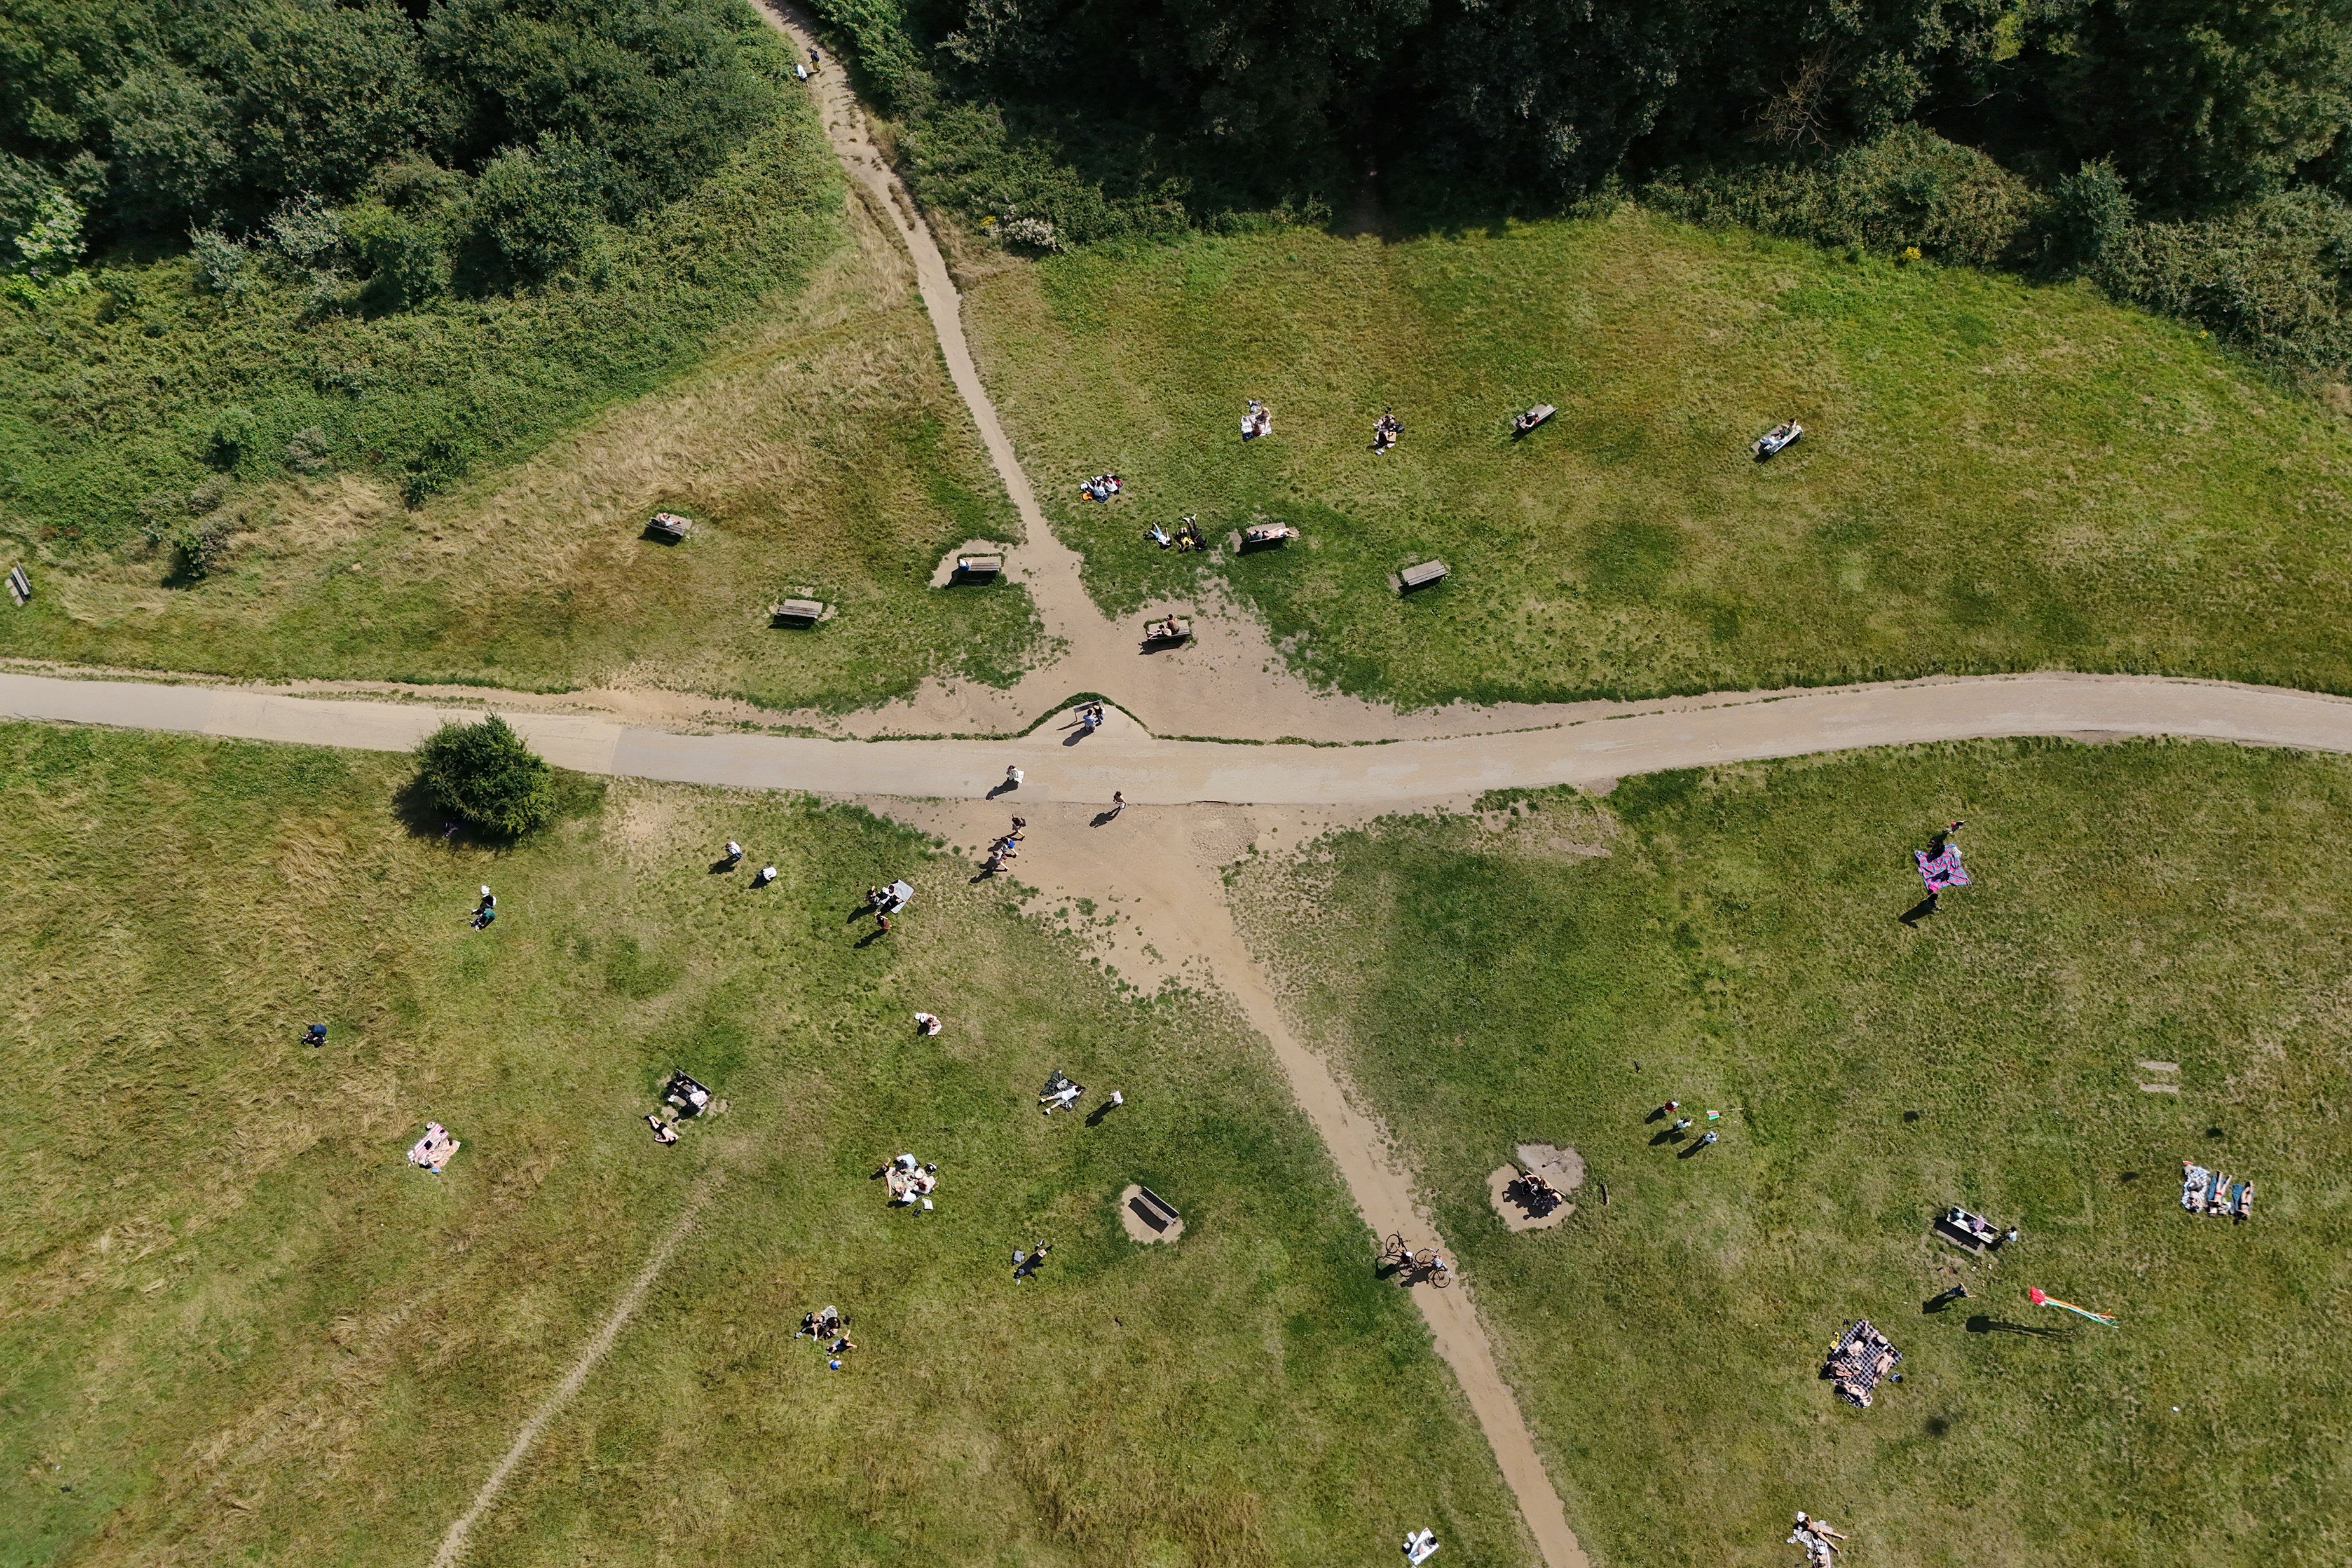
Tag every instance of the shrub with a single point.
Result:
(1910, 187)
(538, 209)
(308, 451)
(485, 776)
(2091, 212)
(2272, 274)
(199, 549)
(233, 431)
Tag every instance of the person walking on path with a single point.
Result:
(1117, 804)
(1013, 778)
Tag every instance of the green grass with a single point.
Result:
(816, 442)
(754, 355)
(1994, 475)
(1734, 944)
(238, 1327)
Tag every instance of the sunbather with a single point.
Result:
(1158, 535)
(663, 1132)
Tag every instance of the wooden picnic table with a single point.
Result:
(1420, 574)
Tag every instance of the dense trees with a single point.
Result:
(157, 116)
(2194, 103)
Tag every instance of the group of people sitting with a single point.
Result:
(1166, 631)
(1257, 420)
(909, 1181)
(1187, 536)
(1536, 1195)
(1386, 431)
(1101, 487)
(825, 1326)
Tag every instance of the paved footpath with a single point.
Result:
(1634, 737)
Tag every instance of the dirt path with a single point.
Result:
(453, 1545)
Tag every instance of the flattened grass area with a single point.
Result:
(237, 1325)
(808, 427)
(1496, 980)
(1993, 476)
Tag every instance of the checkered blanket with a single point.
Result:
(1943, 871)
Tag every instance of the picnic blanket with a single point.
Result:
(433, 1150)
(1943, 871)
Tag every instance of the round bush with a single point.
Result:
(487, 777)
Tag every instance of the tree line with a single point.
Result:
(417, 141)
(2192, 154)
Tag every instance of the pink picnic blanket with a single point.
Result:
(1942, 871)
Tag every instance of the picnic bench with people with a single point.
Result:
(1257, 420)
(1973, 1231)
(1167, 632)
(1523, 423)
(669, 526)
(1779, 438)
(978, 568)
(690, 1098)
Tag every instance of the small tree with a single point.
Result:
(488, 777)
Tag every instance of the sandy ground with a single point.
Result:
(1130, 1216)
(1564, 1168)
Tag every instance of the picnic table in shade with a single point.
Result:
(1420, 574)
(669, 526)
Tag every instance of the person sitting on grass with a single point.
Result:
(486, 911)
(663, 1132)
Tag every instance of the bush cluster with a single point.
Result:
(370, 142)
(486, 777)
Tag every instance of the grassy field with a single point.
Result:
(238, 1327)
(1730, 940)
(1994, 476)
(794, 404)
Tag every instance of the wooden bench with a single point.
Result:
(1529, 420)
(1156, 632)
(669, 526)
(1419, 575)
(796, 612)
(20, 587)
(1153, 1209)
(977, 568)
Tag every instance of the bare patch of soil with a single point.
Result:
(1564, 1168)
(1130, 1215)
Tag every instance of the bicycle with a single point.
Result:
(1428, 1265)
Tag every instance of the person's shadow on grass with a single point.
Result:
(1102, 817)
(1696, 1149)
(872, 936)
(1983, 1324)
(1671, 1135)
(1918, 912)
